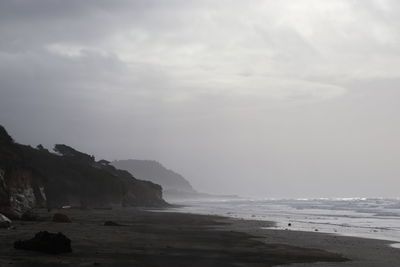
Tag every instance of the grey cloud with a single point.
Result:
(269, 98)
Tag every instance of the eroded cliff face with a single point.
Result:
(21, 189)
(20, 192)
(4, 199)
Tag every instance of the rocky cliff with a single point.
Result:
(31, 177)
(21, 188)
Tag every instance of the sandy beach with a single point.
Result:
(361, 252)
(150, 238)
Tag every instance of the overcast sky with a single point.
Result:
(288, 98)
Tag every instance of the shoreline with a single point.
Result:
(160, 238)
(361, 251)
(376, 230)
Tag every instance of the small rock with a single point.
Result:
(46, 242)
(289, 224)
(111, 223)
(62, 218)
(4, 221)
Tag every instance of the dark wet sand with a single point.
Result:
(176, 239)
(361, 252)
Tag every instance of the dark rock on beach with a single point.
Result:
(4, 221)
(61, 218)
(46, 242)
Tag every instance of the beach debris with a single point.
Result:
(46, 242)
(111, 223)
(289, 224)
(316, 230)
(62, 218)
(4, 221)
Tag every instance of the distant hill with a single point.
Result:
(155, 172)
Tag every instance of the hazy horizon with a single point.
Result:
(268, 98)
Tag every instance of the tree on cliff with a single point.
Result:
(68, 151)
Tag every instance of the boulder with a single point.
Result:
(4, 221)
(46, 242)
(61, 218)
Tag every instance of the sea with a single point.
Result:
(377, 218)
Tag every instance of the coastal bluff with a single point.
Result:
(35, 177)
(172, 182)
(175, 186)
